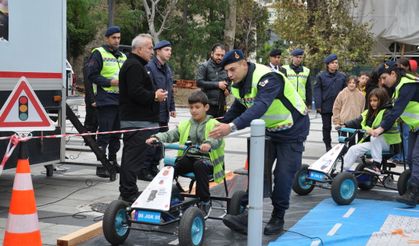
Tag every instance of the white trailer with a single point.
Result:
(36, 48)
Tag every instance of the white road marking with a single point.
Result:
(349, 213)
(316, 242)
(174, 242)
(334, 229)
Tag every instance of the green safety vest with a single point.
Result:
(110, 68)
(410, 115)
(277, 117)
(299, 81)
(216, 155)
(392, 136)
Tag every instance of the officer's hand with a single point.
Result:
(226, 93)
(222, 85)
(94, 104)
(173, 114)
(220, 131)
(115, 82)
(319, 110)
(151, 140)
(160, 95)
(205, 147)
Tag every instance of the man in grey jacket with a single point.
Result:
(212, 79)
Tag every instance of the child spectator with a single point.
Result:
(370, 119)
(363, 79)
(196, 130)
(349, 103)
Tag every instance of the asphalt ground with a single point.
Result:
(74, 197)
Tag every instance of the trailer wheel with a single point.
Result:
(344, 188)
(301, 185)
(365, 181)
(192, 227)
(116, 224)
(402, 182)
(235, 206)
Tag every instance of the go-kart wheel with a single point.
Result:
(365, 181)
(235, 206)
(116, 225)
(301, 185)
(192, 227)
(344, 188)
(402, 182)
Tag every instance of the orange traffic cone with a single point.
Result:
(22, 226)
(246, 164)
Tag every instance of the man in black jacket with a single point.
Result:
(139, 108)
(212, 79)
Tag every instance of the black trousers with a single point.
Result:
(90, 121)
(202, 168)
(327, 128)
(216, 110)
(133, 155)
(108, 119)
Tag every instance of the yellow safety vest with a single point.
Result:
(410, 115)
(216, 155)
(299, 81)
(110, 67)
(277, 117)
(392, 136)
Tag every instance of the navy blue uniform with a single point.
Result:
(327, 87)
(287, 144)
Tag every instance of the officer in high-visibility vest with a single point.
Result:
(261, 93)
(299, 75)
(406, 106)
(103, 66)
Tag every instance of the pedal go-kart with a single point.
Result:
(162, 203)
(327, 172)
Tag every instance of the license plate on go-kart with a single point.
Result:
(316, 176)
(146, 216)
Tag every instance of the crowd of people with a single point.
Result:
(136, 92)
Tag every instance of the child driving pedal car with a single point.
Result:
(371, 118)
(196, 130)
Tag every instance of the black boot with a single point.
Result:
(411, 196)
(237, 223)
(328, 147)
(275, 225)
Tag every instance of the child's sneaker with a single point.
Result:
(373, 168)
(205, 207)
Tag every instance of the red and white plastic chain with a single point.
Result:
(13, 142)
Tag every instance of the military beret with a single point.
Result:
(275, 52)
(162, 44)
(330, 58)
(232, 56)
(386, 67)
(111, 30)
(297, 52)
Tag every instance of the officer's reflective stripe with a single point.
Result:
(14, 223)
(410, 115)
(218, 160)
(280, 128)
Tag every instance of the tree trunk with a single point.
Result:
(230, 24)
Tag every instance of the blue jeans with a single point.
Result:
(405, 133)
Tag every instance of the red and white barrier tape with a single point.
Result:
(13, 142)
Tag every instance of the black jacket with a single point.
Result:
(162, 77)
(327, 87)
(137, 91)
(207, 78)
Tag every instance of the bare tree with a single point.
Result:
(153, 11)
(230, 24)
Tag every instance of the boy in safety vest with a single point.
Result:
(196, 130)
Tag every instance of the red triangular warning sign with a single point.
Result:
(23, 112)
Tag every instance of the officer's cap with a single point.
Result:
(386, 67)
(275, 52)
(112, 30)
(232, 56)
(162, 44)
(297, 52)
(330, 58)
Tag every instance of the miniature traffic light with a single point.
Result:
(23, 108)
